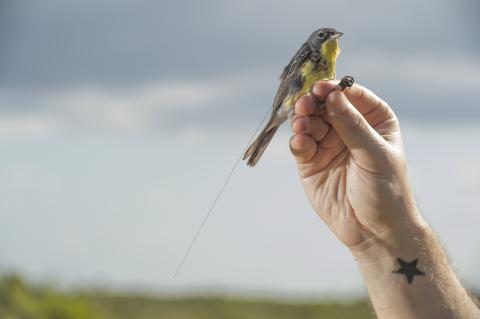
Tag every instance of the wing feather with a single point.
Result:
(290, 72)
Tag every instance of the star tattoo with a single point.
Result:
(409, 269)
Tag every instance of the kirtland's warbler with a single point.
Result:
(314, 61)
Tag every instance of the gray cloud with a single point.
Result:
(415, 88)
(116, 65)
(55, 43)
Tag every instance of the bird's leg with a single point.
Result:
(345, 83)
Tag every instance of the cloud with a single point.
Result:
(440, 74)
(148, 107)
(54, 44)
(228, 100)
(25, 126)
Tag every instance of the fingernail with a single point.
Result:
(292, 138)
(293, 122)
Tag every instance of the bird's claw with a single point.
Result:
(346, 82)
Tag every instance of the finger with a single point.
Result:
(300, 124)
(377, 113)
(321, 89)
(314, 126)
(365, 100)
(330, 140)
(303, 147)
(324, 157)
(306, 105)
(364, 143)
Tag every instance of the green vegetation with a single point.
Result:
(208, 308)
(20, 301)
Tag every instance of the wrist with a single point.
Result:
(405, 269)
(405, 238)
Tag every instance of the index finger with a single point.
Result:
(365, 101)
(362, 98)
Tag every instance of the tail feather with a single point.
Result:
(256, 149)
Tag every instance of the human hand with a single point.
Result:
(351, 163)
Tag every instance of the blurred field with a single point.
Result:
(18, 300)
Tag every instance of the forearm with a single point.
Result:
(434, 290)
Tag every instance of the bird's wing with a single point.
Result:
(290, 73)
(298, 59)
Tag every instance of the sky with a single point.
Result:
(120, 120)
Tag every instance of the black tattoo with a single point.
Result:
(409, 269)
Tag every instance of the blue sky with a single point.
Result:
(119, 121)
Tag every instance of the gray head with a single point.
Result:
(320, 36)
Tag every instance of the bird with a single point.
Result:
(314, 61)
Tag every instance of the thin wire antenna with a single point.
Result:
(218, 196)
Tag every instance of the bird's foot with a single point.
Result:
(346, 82)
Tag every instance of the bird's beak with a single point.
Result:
(336, 35)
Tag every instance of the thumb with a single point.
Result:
(367, 147)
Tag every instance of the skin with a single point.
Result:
(354, 157)
(351, 163)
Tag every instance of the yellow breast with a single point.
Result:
(310, 77)
(330, 51)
